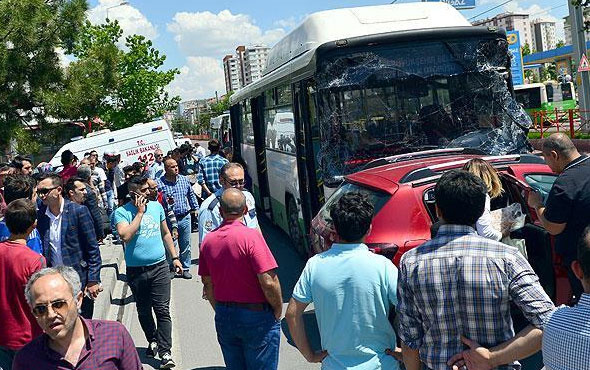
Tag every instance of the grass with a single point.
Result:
(578, 135)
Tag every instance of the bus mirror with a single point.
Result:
(333, 181)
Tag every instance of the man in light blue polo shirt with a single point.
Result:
(353, 291)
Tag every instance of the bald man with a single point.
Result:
(565, 213)
(239, 274)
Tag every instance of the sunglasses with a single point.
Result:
(45, 191)
(57, 306)
(236, 182)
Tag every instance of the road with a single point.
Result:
(193, 335)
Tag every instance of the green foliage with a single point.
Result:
(140, 94)
(526, 49)
(222, 106)
(577, 135)
(560, 44)
(30, 32)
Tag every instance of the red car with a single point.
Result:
(402, 191)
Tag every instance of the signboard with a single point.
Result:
(584, 65)
(516, 57)
(458, 4)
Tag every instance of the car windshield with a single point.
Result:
(405, 97)
(377, 198)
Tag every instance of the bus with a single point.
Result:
(220, 129)
(546, 97)
(351, 85)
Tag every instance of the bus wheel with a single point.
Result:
(294, 230)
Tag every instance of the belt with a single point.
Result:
(181, 215)
(247, 306)
(145, 268)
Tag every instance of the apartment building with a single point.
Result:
(254, 63)
(512, 22)
(568, 27)
(232, 71)
(544, 35)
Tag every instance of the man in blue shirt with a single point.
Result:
(141, 224)
(208, 176)
(178, 193)
(566, 338)
(353, 291)
(17, 186)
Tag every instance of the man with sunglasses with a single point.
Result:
(67, 232)
(231, 175)
(70, 341)
(17, 263)
(156, 169)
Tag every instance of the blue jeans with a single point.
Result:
(6, 358)
(110, 202)
(184, 241)
(249, 340)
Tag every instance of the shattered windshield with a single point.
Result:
(398, 98)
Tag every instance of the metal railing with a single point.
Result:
(570, 121)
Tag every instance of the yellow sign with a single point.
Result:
(511, 38)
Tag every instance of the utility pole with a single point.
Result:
(579, 44)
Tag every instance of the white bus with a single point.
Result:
(351, 85)
(220, 128)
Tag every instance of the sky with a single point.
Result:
(195, 34)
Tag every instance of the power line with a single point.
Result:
(489, 10)
(547, 10)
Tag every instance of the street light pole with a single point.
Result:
(116, 6)
(579, 43)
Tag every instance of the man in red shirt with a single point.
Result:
(17, 264)
(238, 271)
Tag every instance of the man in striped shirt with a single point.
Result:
(179, 194)
(566, 338)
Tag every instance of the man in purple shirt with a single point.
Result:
(70, 341)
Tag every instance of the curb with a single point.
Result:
(112, 259)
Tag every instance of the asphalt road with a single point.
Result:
(193, 335)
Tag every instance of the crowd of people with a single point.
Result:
(447, 306)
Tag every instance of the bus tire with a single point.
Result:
(293, 224)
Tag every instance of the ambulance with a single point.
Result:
(135, 144)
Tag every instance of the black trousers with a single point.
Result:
(150, 286)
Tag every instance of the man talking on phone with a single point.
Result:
(141, 224)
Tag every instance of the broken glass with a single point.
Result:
(397, 98)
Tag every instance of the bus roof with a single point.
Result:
(529, 86)
(319, 28)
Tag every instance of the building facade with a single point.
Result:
(568, 27)
(232, 71)
(511, 22)
(255, 58)
(544, 35)
(245, 67)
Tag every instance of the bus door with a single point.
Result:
(307, 136)
(257, 104)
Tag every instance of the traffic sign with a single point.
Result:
(584, 64)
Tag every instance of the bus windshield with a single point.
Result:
(390, 99)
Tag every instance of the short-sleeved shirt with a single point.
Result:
(460, 283)
(352, 291)
(210, 219)
(569, 202)
(209, 168)
(17, 264)
(233, 256)
(109, 346)
(33, 240)
(566, 337)
(146, 248)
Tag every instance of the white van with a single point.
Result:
(135, 143)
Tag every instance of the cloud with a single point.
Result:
(131, 20)
(215, 35)
(64, 59)
(199, 78)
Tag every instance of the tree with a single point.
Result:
(140, 95)
(30, 33)
(560, 44)
(223, 105)
(526, 49)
